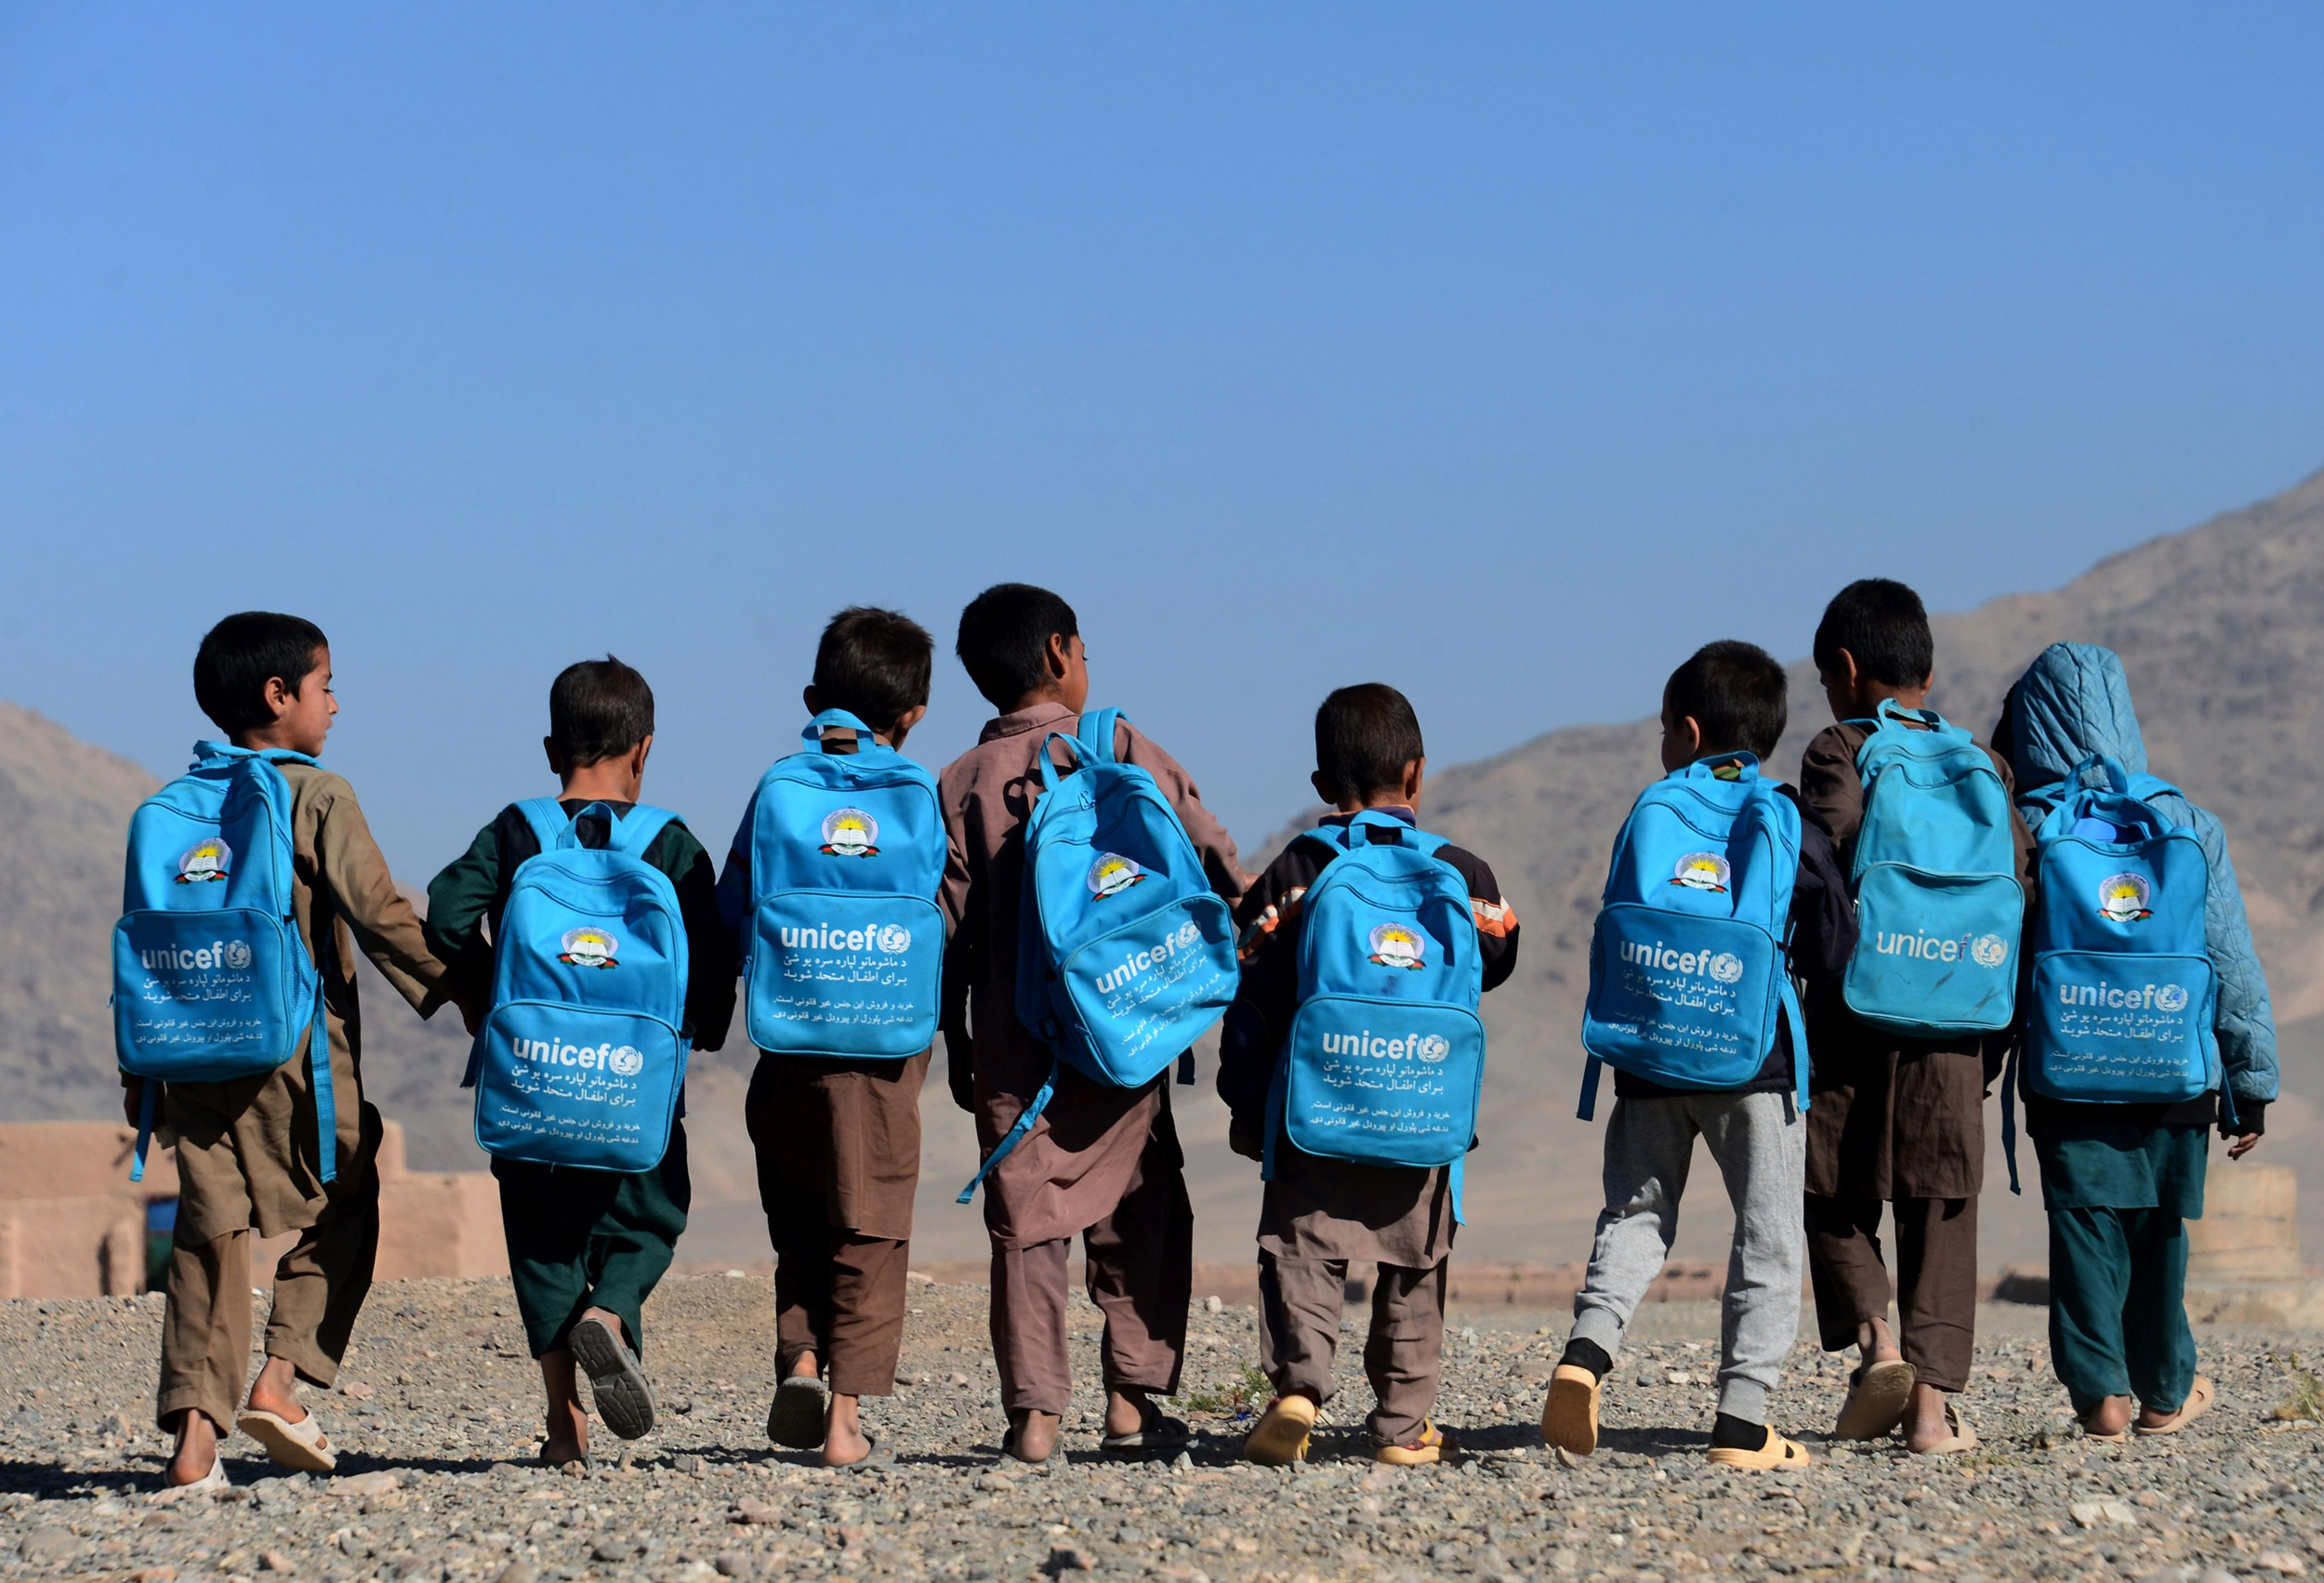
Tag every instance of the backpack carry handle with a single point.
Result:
(1891, 710)
(1093, 743)
(2118, 778)
(1705, 768)
(556, 832)
(865, 740)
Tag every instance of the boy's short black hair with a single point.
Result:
(1365, 735)
(1883, 625)
(874, 664)
(1737, 693)
(598, 709)
(1003, 641)
(244, 653)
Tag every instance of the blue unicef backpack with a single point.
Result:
(582, 1060)
(1125, 956)
(1386, 1056)
(210, 979)
(844, 952)
(1687, 970)
(1938, 906)
(2123, 990)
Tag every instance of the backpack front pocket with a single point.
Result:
(204, 997)
(1141, 993)
(845, 974)
(1936, 953)
(1681, 999)
(566, 1086)
(2114, 1026)
(1382, 1082)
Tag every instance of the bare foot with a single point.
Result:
(1125, 1412)
(276, 1390)
(1876, 1342)
(1035, 1434)
(2109, 1417)
(803, 1367)
(1924, 1418)
(844, 1441)
(197, 1449)
(567, 1439)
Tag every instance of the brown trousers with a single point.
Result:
(319, 1289)
(1936, 1279)
(1299, 1331)
(1139, 1273)
(840, 1297)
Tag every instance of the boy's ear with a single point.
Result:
(813, 699)
(1323, 788)
(556, 759)
(1690, 731)
(1059, 656)
(1414, 773)
(906, 720)
(636, 754)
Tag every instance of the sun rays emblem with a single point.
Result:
(591, 947)
(850, 832)
(1399, 945)
(204, 862)
(1112, 875)
(1701, 871)
(2122, 899)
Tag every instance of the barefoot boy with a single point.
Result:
(838, 1138)
(587, 1248)
(1101, 1162)
(1318, 1214)
(247, 1151)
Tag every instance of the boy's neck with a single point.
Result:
(1045, 695)
(1379, 802)
(1872, 695)
(609, 780)
(266, 739)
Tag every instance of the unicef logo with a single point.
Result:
(237, 955)
(626, 1061)
(1187, 934)
(1726, 968)
(1432, 1049)
(2170, 997)
(895, 939)
(1989, 950)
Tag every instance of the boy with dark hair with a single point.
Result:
(1895, 1119)
(247, 1151)
(586, 1247)
(838, 1140)
(1318, 1214)
(1728, 700)
(1101, 1162)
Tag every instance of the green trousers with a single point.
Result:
(582, 1239)
(2118, 1308)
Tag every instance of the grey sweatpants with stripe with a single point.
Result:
(1760, 1145)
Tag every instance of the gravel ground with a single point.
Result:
(437, 1415)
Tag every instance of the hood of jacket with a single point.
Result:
(2072, 702)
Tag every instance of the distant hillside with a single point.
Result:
(2218, 626)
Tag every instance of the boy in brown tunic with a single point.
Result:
(1894, 1119)
(1318, 1214)
(247, 1153)
(1101, 1162)
(838, 1141)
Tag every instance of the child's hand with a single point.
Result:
(2242, 1144)
(132, 1099)
(1244, 1137)
(960, 1069)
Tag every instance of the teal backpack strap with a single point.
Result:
(1014, 1135)
(633, 834)
(1589, 1108)
(1790, 996)
(1453, 1173)
(866, 742)
(1279, 1095)
(146, 1104)
(1049, 766)
(546, 817)
(1096, 735)
(319, 1076)
(2009, 1117)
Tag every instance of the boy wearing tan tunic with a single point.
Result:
(247, 1151)
(838, 1141)
(1101, 1162)
(1318, 1214)
(1894, 1120)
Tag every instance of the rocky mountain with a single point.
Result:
(2218, 627)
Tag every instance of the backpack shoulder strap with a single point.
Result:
(546, 817)
(633, 834)
(866, 742)
(1096, 735)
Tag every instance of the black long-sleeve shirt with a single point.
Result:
(1270, 916)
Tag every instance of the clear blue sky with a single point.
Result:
(1502, 352)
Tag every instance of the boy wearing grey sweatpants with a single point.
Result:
(1728, 699)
